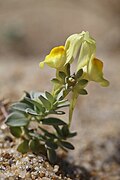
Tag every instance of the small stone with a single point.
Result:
(36, 168)
(1, 159)
(11, 162)
(54, 178)
(22, 174)
(45, 178)
(7, 155)
(35, 173)
(31, 155)
(2, 168)
(3, 126)
(8, 138)
(42, 174)
(34, 160)
(56, 168)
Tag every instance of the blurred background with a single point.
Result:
(30, 28)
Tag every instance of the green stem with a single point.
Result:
(72, 106)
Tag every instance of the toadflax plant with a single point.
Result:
(31, 117)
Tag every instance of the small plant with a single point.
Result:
(29, 117)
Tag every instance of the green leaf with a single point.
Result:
(50, 97)
(51, 154)
(62, 75)
(48, 134)
(62, 101)
(50, 144)
(32, 112)
(59, 131)
(25, 101)
(55, 81)
(65, 131)
(35, 95)
(82, 92)
(36, 104)
(36, 147)
(58, 91)
(19, 106)
(82, 82)
(60, 112)
(67, 145)
(37, 136)
(23, 147)
(72, 135)
(57, 112)
(65, 104)
(61, 104)
(27, 94)
(79, 74)
(45, 102)
(66, 91)
(53, 121)
(68, 69)
(16, 119)
(16, 131)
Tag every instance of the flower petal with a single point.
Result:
(95, 73)
(72, 46)
(41, 64)
(81, 44)
(56, 59)
(88, 49)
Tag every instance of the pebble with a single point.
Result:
(56, 168)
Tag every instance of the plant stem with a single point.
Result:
(72, 106)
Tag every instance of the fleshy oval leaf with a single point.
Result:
(16, 119)
(53, 121)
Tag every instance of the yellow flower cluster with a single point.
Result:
(83, 48)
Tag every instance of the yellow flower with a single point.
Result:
(56, 59)
(84, 47)
(81, 45)
(94, 71)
